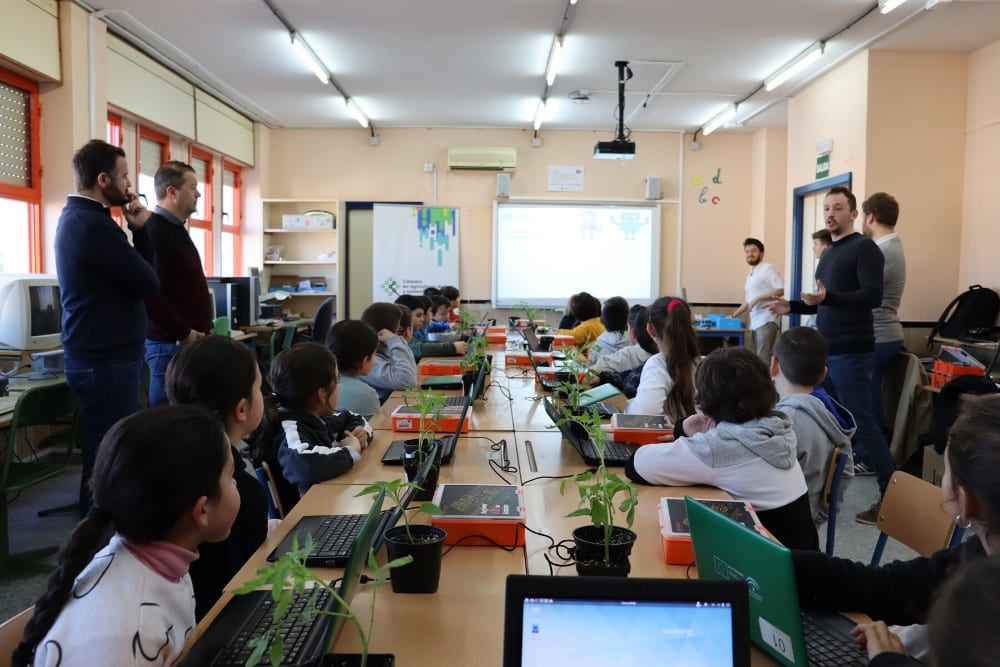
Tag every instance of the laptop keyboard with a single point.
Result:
(826, 649)
(614, 451)
(293, 629)
(336, 533)
(455, 401)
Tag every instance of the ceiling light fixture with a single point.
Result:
(355, 111)
(794, 66)
(309, 57)
(555, 57)
(718, 119)
(539, 113)
(886, 6)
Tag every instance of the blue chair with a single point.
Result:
(912, 511)
(274, 508)
(831, 494)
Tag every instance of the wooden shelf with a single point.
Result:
(298, 262)
(294, 294)
(299, 231)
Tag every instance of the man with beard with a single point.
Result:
(104, 282)
(848, 288)
(763, 286)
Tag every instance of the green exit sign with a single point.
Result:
(822, 166)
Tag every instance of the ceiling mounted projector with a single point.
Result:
(621, 148)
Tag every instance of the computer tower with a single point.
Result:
(226, 298)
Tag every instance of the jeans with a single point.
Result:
(158, 355)
(107, 391)
(852, 377)
(885, 355)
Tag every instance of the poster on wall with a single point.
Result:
(413, 247)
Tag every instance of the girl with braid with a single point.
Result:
(163, 484)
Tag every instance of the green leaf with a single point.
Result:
(430, 508)
(398, 562)
(258, 646)
(277, 650)
(583, 511)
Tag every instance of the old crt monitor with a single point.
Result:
(30, 312)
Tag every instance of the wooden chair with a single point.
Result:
(11, 632)
(912, 511)
(274, 507)
(830, 497)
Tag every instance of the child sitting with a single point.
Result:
(666, 386)
(739, 443)
(222, 376)
(586, 310)
(623, 369)
(419, 344)
(614, 317)
(798, 366)
(354, 343)
(440, 307)
(163, 481)
(451, 293)
(395, 367)
(304, 439)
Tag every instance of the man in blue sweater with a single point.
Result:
(104, 282)
(848, 287)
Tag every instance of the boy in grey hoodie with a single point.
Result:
(820, 423)
(395, 368)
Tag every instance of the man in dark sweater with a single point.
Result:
(848, 287)
(104, 282)
(182, 312)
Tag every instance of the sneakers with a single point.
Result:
(870, 515)
(862, 469)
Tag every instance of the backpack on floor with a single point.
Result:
(970, 315)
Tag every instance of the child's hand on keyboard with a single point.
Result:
(876, 638)
(352, 442)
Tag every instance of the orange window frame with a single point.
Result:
(209, 200)
(235, 224)
(115, 137)
(32, 194)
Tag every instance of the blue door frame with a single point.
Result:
(799, 195)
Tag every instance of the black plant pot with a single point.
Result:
(545, 342)
(424, 573)
(412, 460)
(469, 379)
(589, 551)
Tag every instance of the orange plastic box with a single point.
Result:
(497, 329)
(675, 532)
(520, 358)
(496, 338)
(406, 419)
(439, 368)
(559, 341)
(640, 429)
(952, 362)
(550, 372)
(495, 511)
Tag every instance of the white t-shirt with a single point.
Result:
(762, 279)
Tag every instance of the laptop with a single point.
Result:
(477, 386)
(307, 642)
(727, 550)
(394, 453)
(534, 345)
(615, 453)
(441, 382)
(633, 621)
(333, 534)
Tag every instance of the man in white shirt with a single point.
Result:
(763, 285)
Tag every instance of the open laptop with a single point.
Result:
(727, 550)
(634, 621)
(615, 453)
(245, 617)
(394, 453)
(477, 386)
(534, 345)
(333, 534)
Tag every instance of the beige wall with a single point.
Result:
(978, 258)
(769, 220)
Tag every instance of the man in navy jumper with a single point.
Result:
(848, 287)
(104, 282)
(182, 312)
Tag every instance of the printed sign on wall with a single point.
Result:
(413, 247)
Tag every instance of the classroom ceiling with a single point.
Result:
(479, 63)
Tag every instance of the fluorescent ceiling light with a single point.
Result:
(310, 58)
(886, 6)
(573, 2)
(718, 119)
(539, 112)
(555, 57)
(356, 112)
(794, 66)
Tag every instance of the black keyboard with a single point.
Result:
(297, 634)
(826, 649)
(614, 451)
(335, 535)
(455, 401)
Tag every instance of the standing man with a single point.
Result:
(848, 287)
(104, 282)
(763, 286)
(821, 241)
(881, 212)
(183, 310)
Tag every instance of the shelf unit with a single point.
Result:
(300, 251)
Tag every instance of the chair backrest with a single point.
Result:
(274, 507)
(281, 339)
(912, 511)
(46, 405)
(11, 632)
(830, 496)
(221, 326)
(323, 320)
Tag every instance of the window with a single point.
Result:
(20, 175)
(232, 219)
(114, 129)
(154, 150)
(200, 223)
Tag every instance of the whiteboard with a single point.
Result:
(544, 252)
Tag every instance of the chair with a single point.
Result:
(220, 326)
(912, 511)
(323, 320)
(47, 405)
(12, 630)
(830, 496)
(274, 507)
(280, 339)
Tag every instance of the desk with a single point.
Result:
(711, 338)
(300, 324)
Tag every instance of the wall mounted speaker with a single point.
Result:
(503, 185)
(653, 188)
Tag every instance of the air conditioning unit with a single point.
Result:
(482, 158)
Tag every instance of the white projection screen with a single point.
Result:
(545, 252)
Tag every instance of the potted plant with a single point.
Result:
(288, 577)
(466, 323)
(420, 545)
(602, 548)
(474, 358)
(429, 405)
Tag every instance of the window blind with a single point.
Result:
(15, 137)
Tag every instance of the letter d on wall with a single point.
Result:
(503, 185)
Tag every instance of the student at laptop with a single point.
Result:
(395, 368)
(623, 368)
(440, 307)
(900, 593)
(739, 443)
(222, 376)
(451, 293)
(666, 386)
(304, 439)
(419, 344)
(586, 310)
(821, 424)
(163, 483)
(614, 318)
(354, 343)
